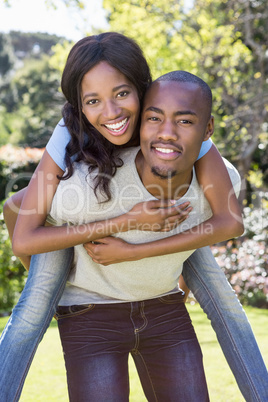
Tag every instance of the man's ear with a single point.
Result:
(209, 129)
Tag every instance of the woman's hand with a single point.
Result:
(157, 215)
(110, 250)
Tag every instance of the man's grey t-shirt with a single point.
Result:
(89, 282)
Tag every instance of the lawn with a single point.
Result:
(46, 380)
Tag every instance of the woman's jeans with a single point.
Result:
(97, 340)
(45, 284)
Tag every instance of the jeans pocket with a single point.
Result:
(172, 298)
(72, 311)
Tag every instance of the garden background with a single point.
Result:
(224, 42)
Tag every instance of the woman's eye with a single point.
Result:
(122, 94)
(92, 102)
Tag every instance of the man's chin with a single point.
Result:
(163, 174)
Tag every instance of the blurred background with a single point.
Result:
(223, 42)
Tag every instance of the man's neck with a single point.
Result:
(169, 188)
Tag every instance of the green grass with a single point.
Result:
(46, 379)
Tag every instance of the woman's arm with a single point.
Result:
(31, 236)
(225, 223)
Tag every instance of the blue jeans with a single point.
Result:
(30, 319)
(37, 305)
(97, 340)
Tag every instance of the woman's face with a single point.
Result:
(110, 103)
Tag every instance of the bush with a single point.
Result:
(16, 167)
(245, 261)
(12, 273)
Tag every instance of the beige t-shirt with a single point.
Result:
(89, 282)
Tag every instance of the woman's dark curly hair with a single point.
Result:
(86, 143)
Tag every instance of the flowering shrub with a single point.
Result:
(245, 260)
(16, 167)
(245, 263)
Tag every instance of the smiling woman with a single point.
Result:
(113, 108)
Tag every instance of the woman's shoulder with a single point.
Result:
(56, 146)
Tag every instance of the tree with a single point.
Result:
(39, 101)
(6, 56)
(31, 100)
(208, 40)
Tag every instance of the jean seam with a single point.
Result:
(46, 321)
(148, 373)
(228, 332)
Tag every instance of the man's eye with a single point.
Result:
(153, 118)
(185, 121)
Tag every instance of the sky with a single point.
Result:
(35, 16)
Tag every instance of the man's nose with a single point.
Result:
(111, 109)
(167, 131)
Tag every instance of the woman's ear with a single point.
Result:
(209, 129)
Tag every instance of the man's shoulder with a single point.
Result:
(128, 153)
(234, 175)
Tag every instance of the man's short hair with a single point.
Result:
(184, 76)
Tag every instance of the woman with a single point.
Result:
(54, 274)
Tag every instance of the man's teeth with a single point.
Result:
(165, 150)
(117, 126)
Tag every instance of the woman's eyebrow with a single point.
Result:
(121, 86)
(114, 90)
(89, 94)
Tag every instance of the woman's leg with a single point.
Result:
(228, 319)
(31, 318)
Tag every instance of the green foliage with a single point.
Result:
(226, 44)
(6, 55)
(245, 261)
(16, 168)
(34, 44)
(38, 97)
(12, 273)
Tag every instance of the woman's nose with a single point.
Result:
(111, 109)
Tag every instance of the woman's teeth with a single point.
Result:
(117, 126)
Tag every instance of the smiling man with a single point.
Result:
(115, 311)
(176, 119)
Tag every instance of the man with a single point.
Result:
(136, 306)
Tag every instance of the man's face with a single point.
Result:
(175, 121)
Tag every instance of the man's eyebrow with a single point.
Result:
(154, 109)
(178, 113)
(183, 112)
